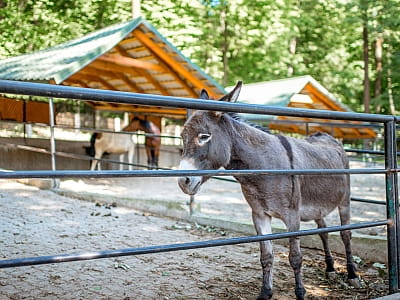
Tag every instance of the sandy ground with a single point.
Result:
(37, 222)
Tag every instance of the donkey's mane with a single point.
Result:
(237, 117)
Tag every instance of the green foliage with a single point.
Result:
(237, 39)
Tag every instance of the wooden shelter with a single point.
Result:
(134, 57)
(131, 56)
(302, 92)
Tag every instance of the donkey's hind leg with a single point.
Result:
(262, 223)
(295, 256)
(344, 213)
(330, 269)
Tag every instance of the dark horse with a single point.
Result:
(213, 140)
(152, 140)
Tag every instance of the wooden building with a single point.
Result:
(134, 57)
(131, 56)
(302, 92)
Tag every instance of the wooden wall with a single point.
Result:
(24, 111)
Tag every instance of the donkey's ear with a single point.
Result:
(204, 94)
(233, 95)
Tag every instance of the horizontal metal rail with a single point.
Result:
(181, 173)
(364, 151)
(60, 91)
(368, 201)
(76, 156)
(86, 157)
(40, 260)
(324, 124)
(89, 129)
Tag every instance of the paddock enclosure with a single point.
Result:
(390, 171)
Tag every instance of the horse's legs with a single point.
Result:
(295, 256)
(152, 158)
(262, 223)
(148, 153)
(344, 213)
(121, 159)
(330, 269)
(156, 155)
(97, 156)
(131, 152)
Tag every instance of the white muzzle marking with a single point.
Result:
(190, 184)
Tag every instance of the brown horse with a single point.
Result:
(152, 140)
(213, 140)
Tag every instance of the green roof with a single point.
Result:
(280, 92)
(60, 62)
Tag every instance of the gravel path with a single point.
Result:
(37, 222)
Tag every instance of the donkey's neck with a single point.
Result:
(253, 148)
(249, 146)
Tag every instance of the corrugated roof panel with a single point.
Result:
(61, 61)
(116, 58)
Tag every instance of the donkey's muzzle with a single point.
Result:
(190, 184)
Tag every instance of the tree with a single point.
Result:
(343, 44)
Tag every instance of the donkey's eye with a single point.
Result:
(203, 138)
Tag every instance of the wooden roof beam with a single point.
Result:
(141, 109)
(130, 62)
(130, 83)
(177, 67)
(75, 81)
(105, 65)
(173, 74)
(93, 69)
(95, 79)
(320, 97)
(146, 75)
(90, 70)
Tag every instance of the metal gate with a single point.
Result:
(390, 170)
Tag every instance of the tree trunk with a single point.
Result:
(366, 96)
(292, 51)
(225, 44)
(389, 84)
(136, 9)
(378, 68)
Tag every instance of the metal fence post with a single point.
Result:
(55, 181)
(191, 202)
(392, 205)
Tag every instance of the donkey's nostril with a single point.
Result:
(187, 180)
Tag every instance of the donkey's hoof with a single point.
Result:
(265, 294)
(331, 275)
(264, 297)
(300, 293)
(355, 282)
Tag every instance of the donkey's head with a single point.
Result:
(206, 143)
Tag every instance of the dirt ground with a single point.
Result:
(38, 222)
(224, 200)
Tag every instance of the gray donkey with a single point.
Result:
(213, 140)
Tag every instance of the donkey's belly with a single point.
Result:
(321, 195)
(309, 213)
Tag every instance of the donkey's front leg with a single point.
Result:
(262, 224)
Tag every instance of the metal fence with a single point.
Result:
(390, 170)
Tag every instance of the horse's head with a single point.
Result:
(134, 125)
(206, 143)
